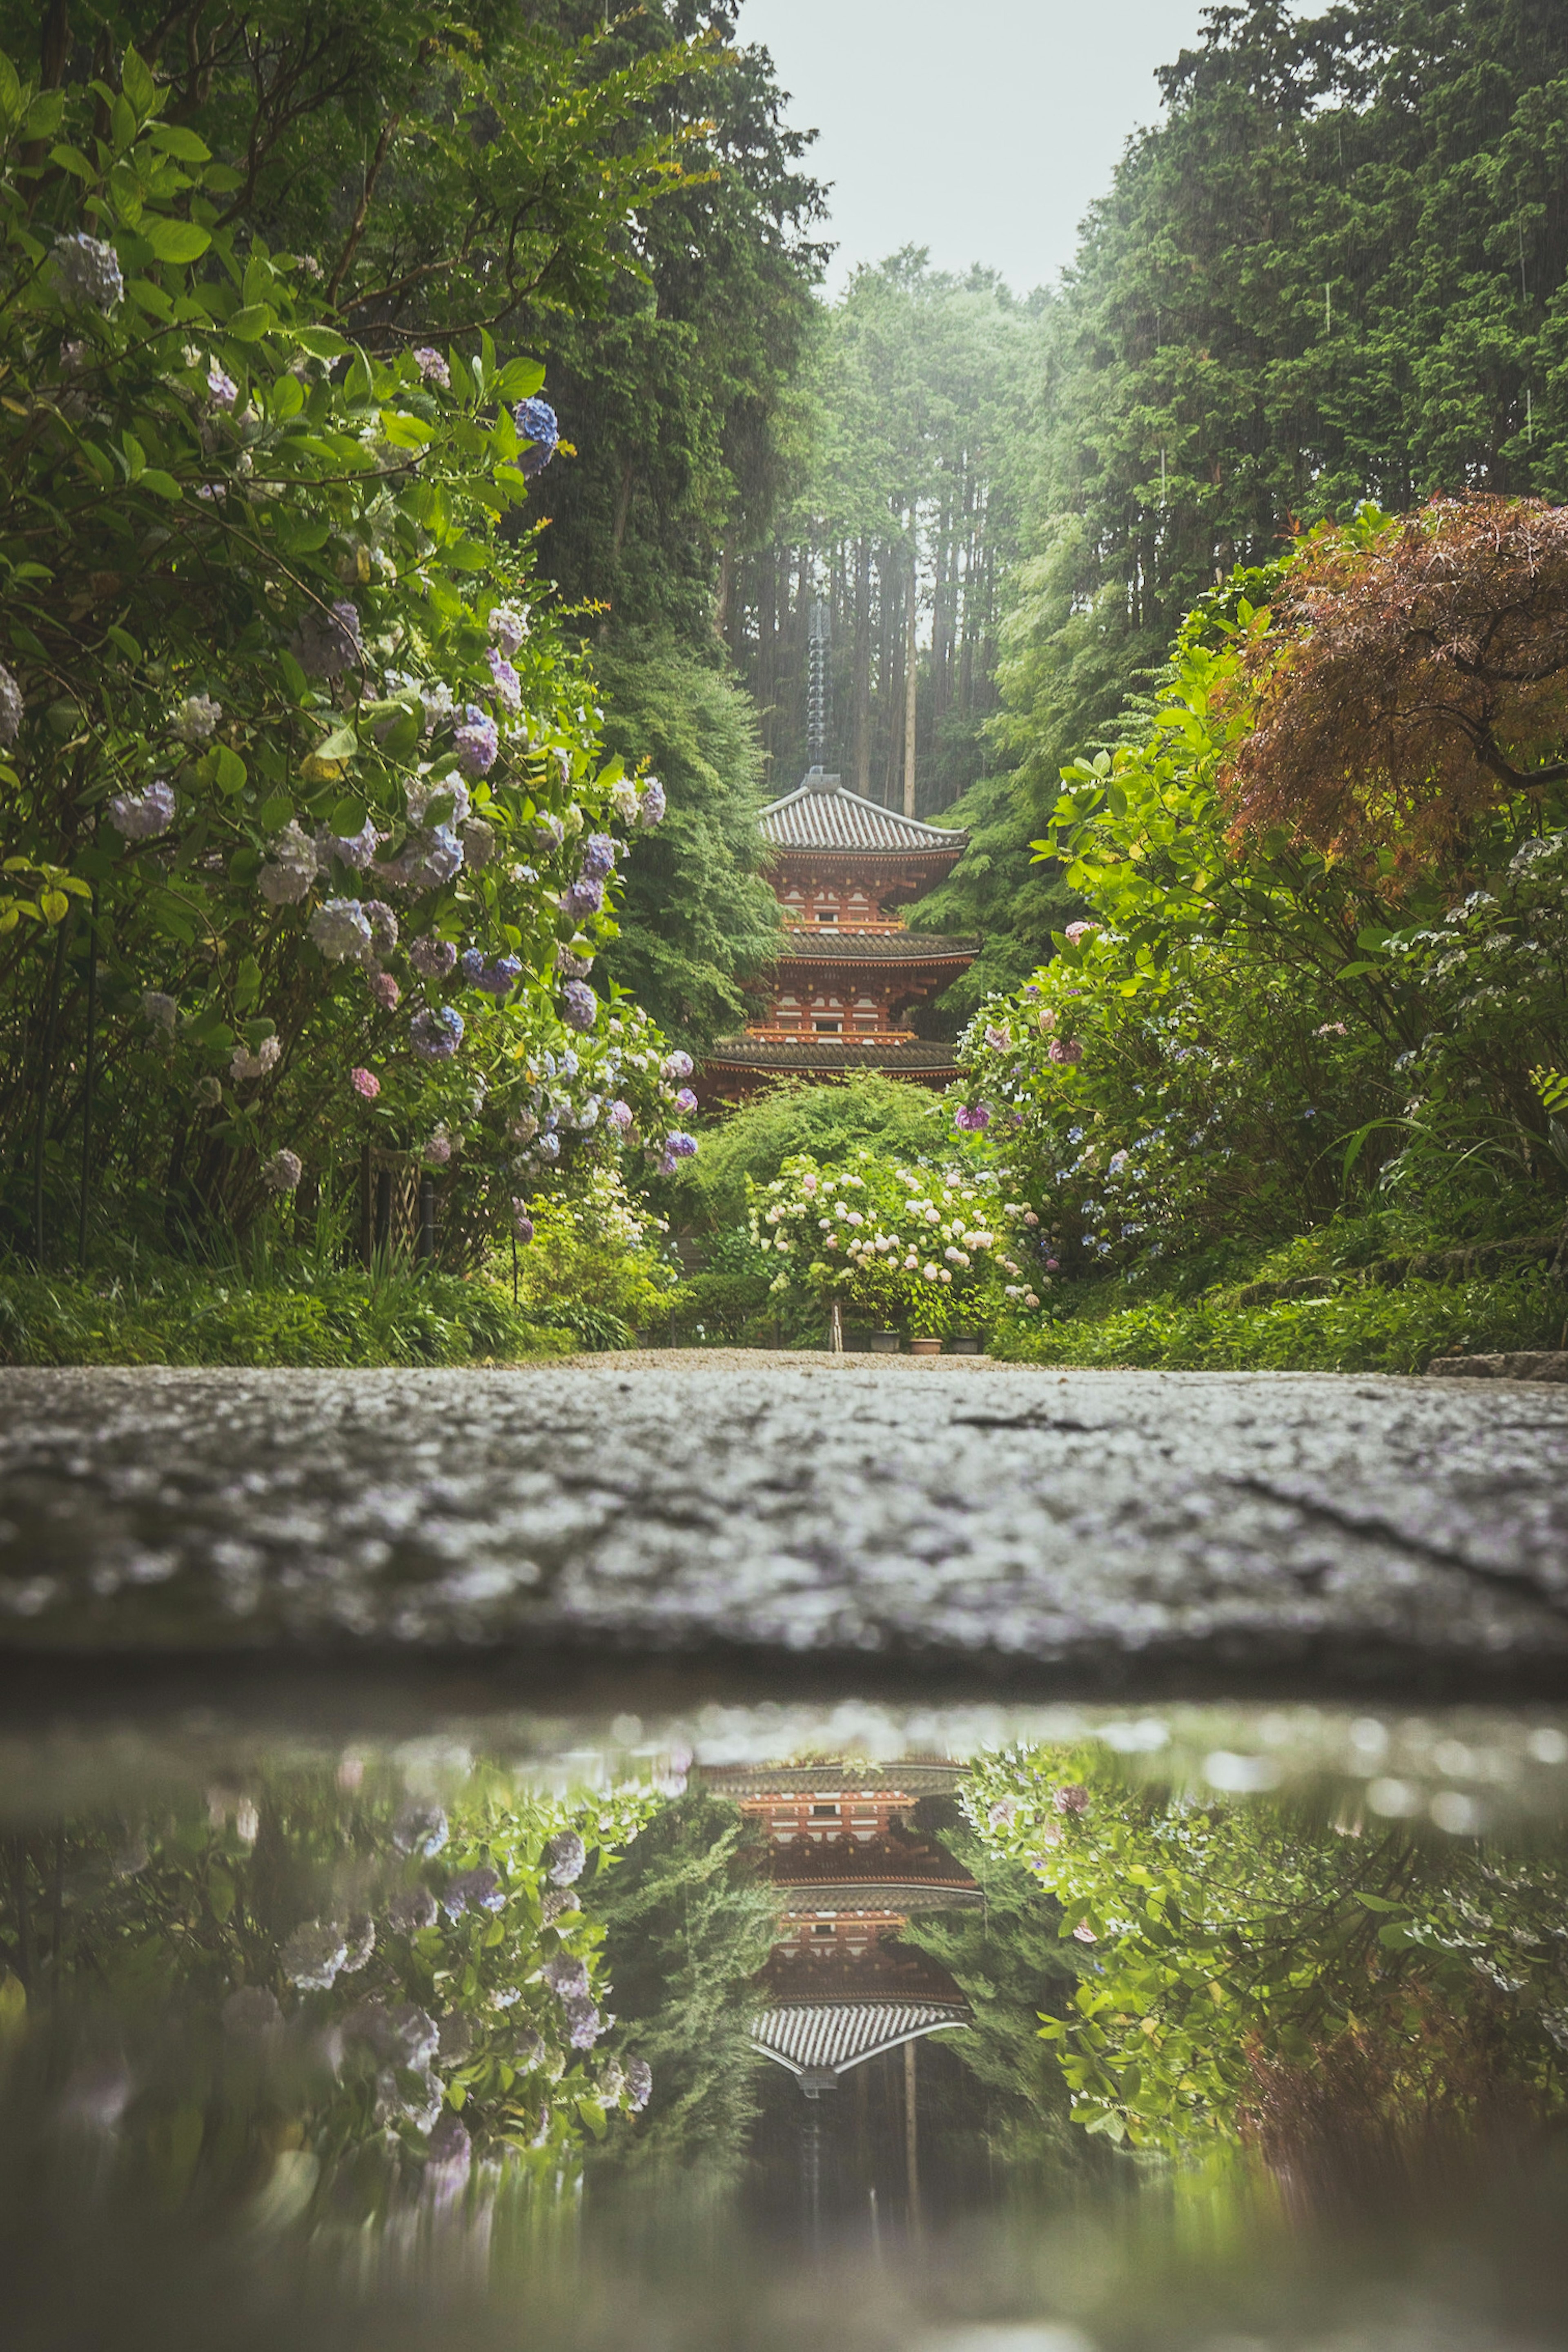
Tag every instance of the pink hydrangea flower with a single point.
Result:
(366, 1083)
(385, 991)
(1064, 1049)
(1076, 931)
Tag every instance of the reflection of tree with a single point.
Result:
(1355, 2003)
(322, 1996)
(690, 1922)
(1009, 1960)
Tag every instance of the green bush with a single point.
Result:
(830, 1122)
(1355, 1329)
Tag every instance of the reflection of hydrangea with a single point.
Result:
(421, 2104)
(356, 849)
(87, 270)
(579, 1004)
(639, 2085)
(420, 1828)
(407, 1913)
(448, 2165)
(564, 1858)
(476, 741)
(340, 928)
(406, 2036)
(479, 840)
(457, 2038)
(437, 1034)
(474, 1890)
(360, 1938)
(325, 643)
(536, 422)
(584, 2023)
(1070, 1800)
(313, 1955)
(198, 719)
(244, 1063)
(10, 709)
(432, 365)
(651, 805)
(507, 683)
(676, 1066)
(598, 858)
(250, 2013)
(288, 877)
(432, 959)
(141, 816)
(508, 628)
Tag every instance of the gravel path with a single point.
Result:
(863, 1517)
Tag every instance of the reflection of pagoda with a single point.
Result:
(850, 1869)
(848, 973)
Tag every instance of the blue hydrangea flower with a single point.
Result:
(474, 1890)
(598, 858)
(340, 928)
(142, 816)
(432, 959)
(586, 896)
(584, 2023)
(508, 685)
(580, 1004)
(564, 1858)
(436, 1035)
(476, 741)
(652, 804)
(535, 420)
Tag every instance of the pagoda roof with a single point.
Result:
(820, 814)
(827, 2038)
(830, 943)
(840, 1875)
(854, 1776)
(916, 1058)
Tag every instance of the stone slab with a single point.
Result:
(785, 1517)
(1524, 1364)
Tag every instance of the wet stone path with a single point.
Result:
(785, 1518)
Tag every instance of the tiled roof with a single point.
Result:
(912, 1776)
(825, 816)
(830, 2037)
(842, 1053)
(815, 942)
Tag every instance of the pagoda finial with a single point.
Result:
(817, 686)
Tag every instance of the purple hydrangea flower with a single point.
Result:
(420, 1828)
(142, 816)
(508, 685)
(382, 924)
(598, 858)
(508, 628)
(432, 959)
(476, 741)
(535, 420)
(356, 849)
(972, 1119)
(339, 929)
(619, 1115)
(548, 831)
(521, 1222)
(10, 709)
(436, 1035)
(474, 1890)
(406, 1914)
(1064, 1049)
(566, 1977)
(680, 1146)
(579, 1004)
(88, 272)
(652, 804)
(326, 644)
(563, 1858)
(385, 991)
(222, 389)
(584, 2024)
(432, 365)
(686, 1100)
(676, 1066)
(586, 896)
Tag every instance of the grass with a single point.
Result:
(171, 1313)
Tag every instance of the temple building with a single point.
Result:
(849, 1868)
(848, 973)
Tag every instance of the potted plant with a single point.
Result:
(930, 1319)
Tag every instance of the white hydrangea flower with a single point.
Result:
(339, 929)
(291, 869)
(198, 719)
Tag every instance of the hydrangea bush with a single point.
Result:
(930, 1248)
(297, 777)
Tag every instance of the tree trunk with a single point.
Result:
(911, 674)
(860, 675)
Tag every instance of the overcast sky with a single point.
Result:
(980, 127)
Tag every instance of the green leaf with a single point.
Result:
(135, 455)
(150, 298)
(294, 678)
(340, 744)
(175, 240)
(10, 90)
(71, 158)
(45, 115)
(249, 324)
(1378, 1902)
(231, 771)
(220, 1894)
(320, 343)
(247, 984)
(276, 813)
(347, 817)
(174, 138)
(136, 80)
(124, 641)
(164, 485)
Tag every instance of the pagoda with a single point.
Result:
(842, 987)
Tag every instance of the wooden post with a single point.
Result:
(835, 1328)
(912, 2144)
(427, 1221)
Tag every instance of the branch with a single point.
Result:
(362, 213)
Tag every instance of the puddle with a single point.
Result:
(965, 2029)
